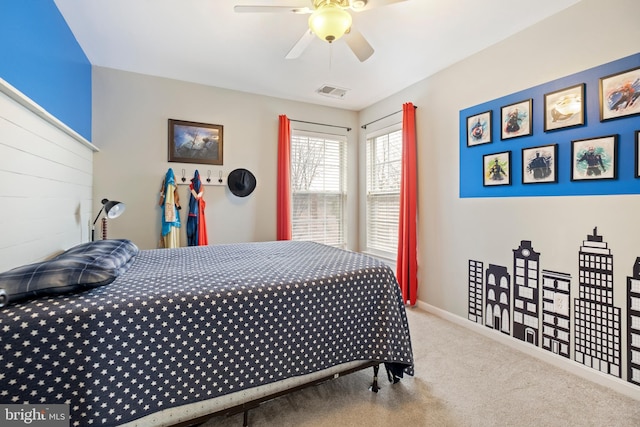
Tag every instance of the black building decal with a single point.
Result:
(475, 291)
(633, 325)
(526, 310)
(556, 312)
(497, 298)
(597, 320)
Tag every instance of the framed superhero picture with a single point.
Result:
(564, 108)
(496, 169)
(539, 164)
(594, 158)
(620, 95)
(516, 119)
(479, 129)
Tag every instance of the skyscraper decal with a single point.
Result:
(597, 320)
(475, 291)
(633, 325)
(576, 321)
(526, 310)
(497, 299)
(556, 312)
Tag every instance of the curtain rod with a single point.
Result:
(364, 126)
(322, 124)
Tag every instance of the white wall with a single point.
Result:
(452, 230)
(130, 113)
(45, 182)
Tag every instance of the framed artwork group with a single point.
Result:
(594, 158)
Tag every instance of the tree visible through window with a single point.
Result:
(384, 167)
(318, 190)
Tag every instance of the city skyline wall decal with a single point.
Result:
(536, 306)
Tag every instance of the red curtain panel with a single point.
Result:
(407, 261)
(283, 210)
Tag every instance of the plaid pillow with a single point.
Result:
(84, 266)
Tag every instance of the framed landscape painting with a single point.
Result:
(193, 142)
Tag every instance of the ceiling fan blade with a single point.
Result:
(300, 45)
(358, 45)
(271, 9)
(370, 4)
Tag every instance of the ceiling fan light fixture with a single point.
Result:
(330, 22)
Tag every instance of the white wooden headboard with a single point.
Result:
(46, 182)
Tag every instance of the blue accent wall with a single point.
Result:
(471, 158)
(40, 57)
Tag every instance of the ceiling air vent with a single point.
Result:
(332, 91)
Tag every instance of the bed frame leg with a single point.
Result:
(393, 378)
(374, 387)
(245, 421)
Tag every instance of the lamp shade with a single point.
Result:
(112, 208)
(330, 22)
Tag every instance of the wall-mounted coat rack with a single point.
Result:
(208, 177)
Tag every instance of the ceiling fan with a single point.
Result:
(329, 21)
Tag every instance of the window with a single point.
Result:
(318, 188)
(383, 169)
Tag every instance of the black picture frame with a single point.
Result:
(195, 142)
(516, 120)
(594, 158)
(564, 108)
(540, 164)
(620, 94)
(479, 130)
(637, 162)
(496, 169)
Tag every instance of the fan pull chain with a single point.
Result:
(330, 56)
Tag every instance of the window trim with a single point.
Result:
(387, 130)
(342, 172)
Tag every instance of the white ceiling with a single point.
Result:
(206, 42)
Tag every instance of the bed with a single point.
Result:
(169, 336)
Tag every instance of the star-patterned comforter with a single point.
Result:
(190, 324)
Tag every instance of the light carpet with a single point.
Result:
(462, 379)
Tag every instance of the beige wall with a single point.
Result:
(452, 230)
(130, 113)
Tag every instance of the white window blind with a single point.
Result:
(384, 166)
(318, 188)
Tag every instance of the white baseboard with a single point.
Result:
(571, 366)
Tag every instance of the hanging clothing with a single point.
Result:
(196, 223)
(170, 204)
